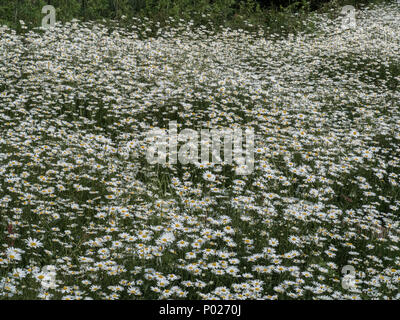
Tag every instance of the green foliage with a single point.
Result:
(232, 12)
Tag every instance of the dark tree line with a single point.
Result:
(30, 10)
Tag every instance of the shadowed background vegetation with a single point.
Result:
(219, 11)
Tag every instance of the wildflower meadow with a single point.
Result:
(306, 206)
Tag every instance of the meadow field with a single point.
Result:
(84, 215)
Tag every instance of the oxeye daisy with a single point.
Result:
(273, 242)
(354, 133)
(294, 239)
(209, 176)
(33, 243)
(13, 254)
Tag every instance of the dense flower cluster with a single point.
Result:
(77, 193)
